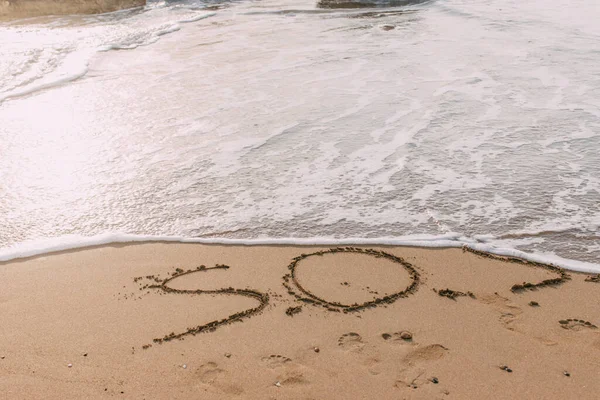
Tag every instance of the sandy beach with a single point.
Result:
(191, 321)
(292, 199)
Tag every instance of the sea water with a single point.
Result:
(432, 123)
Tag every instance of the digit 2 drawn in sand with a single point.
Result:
(291, 283)
(262, 298)
(562, 277)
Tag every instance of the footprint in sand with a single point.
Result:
(209, 372)
(510, 317)
(576, 324)
(401, 337)
(417, 375)
(275, 360)
(288, 372)
(430, 352)
(351, 341)
(420, 385)
(411, 377)
(509, 312)
(212, 375)
(292, 376)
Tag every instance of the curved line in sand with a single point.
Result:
(563, 276)
(262, 298)
(290, 281)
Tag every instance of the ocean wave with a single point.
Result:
(36, 56)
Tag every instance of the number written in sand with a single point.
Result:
(262, 298)
(290, 282)
(296, 289)
(301, 293)
(562, 275)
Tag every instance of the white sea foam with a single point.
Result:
(258, 125)
(450, 240)
(40, 54)
(70, 71)
(197, 17)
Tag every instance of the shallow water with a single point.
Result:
(477, 120)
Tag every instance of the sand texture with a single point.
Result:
(12, 9)
(190, 321)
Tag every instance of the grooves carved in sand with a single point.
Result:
(563, 276)
(292, 285)
(302, 294)
(262, 298)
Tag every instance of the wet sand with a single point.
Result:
(15, 9)
(190, 321)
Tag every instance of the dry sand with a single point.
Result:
(93, 309)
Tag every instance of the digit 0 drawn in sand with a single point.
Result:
(162, 285)
(292, 285)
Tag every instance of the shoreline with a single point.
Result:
(21, 9)
(177, 320)
(32, 249)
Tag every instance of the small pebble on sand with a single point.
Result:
(184, 366)
(567, 373)
(277, 384)
(316, 349)
(505, 368)
(69, 365)
(228, 355)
